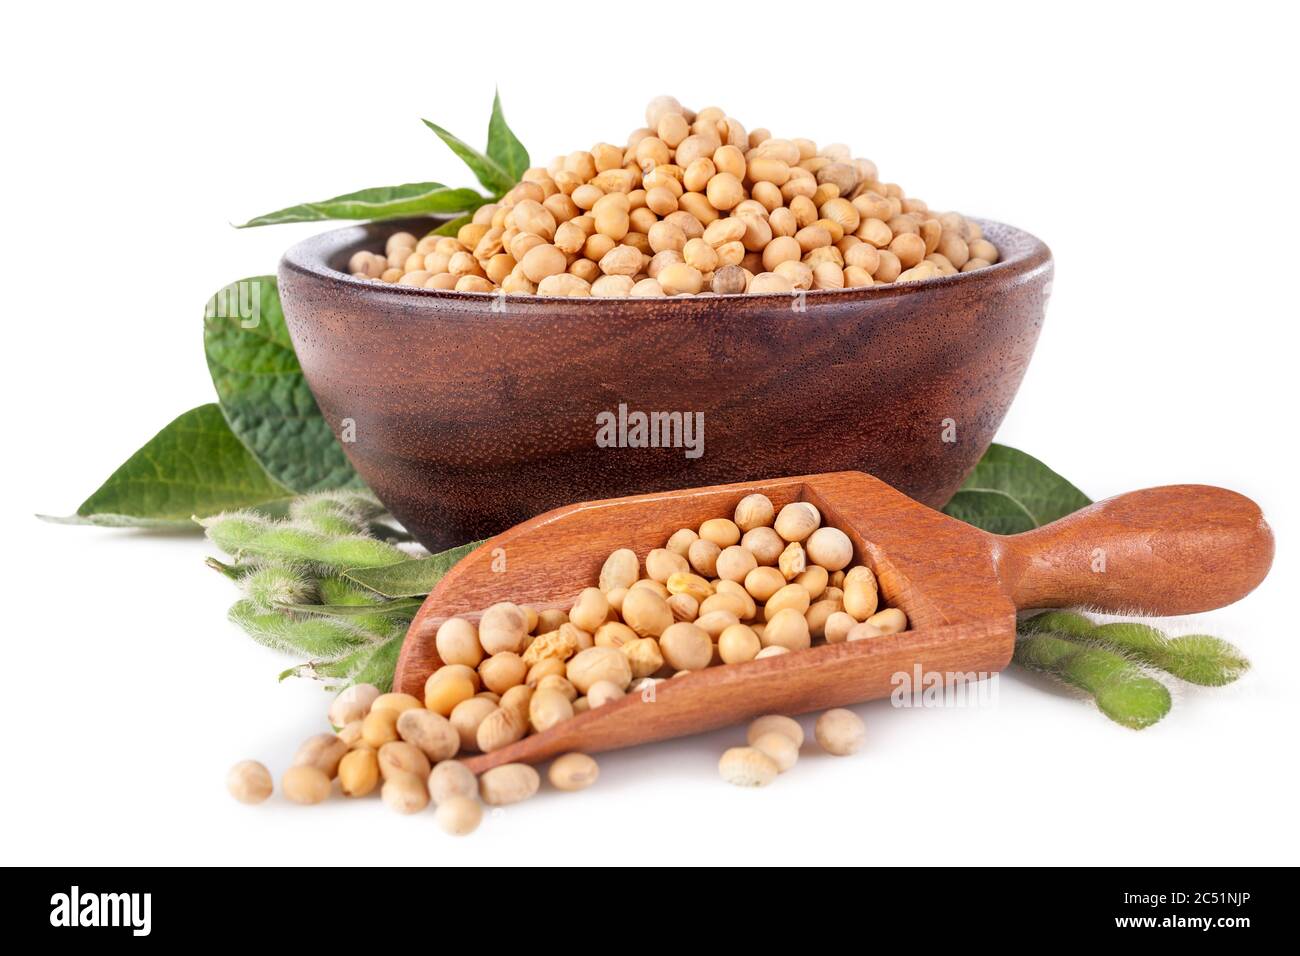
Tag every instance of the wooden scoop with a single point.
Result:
(1173, 550)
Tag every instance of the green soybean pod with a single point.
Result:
(246, 534)
(1122, 691)
(1197, 658)
(275, 584)
(334, 512)
(1066, 623)
(339, 590)
(315, 637)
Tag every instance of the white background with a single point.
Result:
(1153, 149)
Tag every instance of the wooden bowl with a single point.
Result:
(469, 413)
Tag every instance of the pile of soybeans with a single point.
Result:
(754, 585)
(693, 204)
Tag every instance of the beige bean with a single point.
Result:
(681, 541)
(646, 612)
(614, 634)
(597, 664)
(450, 779)
(353, 703)
(764, 544)
(433, 734)
(458, 816)
(747, 767)
(837, 627)
(703, 556)
(572, 771)
(737, 644)
(380, 726)
(793, 596)
(305, 784)
(861, 596)
(503, 627)
(457, 642)
(405, 793)
(359, 772)
(754, 511)
(643, 656)
(735, 562)
(797, 521)
(737, 605)
(604, 692)
(775, 723)
(763, 582)
(249, 782)
(466, 718)
(500, 672)
(686, 647)
(500, 728)
(507, 784)
(840, 732)
(590, 610)
(787, 628)
(394, 702)
(863, 632)
(548, 708)
(818, 613)
(715, 622)
(663, 563)
(398, 756)
(890, 621)
(783, 751)
(322, 751)
(620, 570)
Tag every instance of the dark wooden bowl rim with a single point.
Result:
(323, 257)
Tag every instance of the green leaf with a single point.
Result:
(992, 510)
(413, 578)
(487, 170)
(263, 393)
(1009, 492)
(194, 466)
(378, 202)
(503, 145)
(452, 227)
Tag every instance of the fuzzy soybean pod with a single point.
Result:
(357, 606)
(247, 534)
(315, 637)
(1122, 691)
(334, 512)
(276, 584)
(344, 598)
(1061, 623)
(338, 590)
(1197, 658)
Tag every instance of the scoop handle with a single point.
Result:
(1179, 549)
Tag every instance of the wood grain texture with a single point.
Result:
(959, 586)
(469, 420)
(1180, 549)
